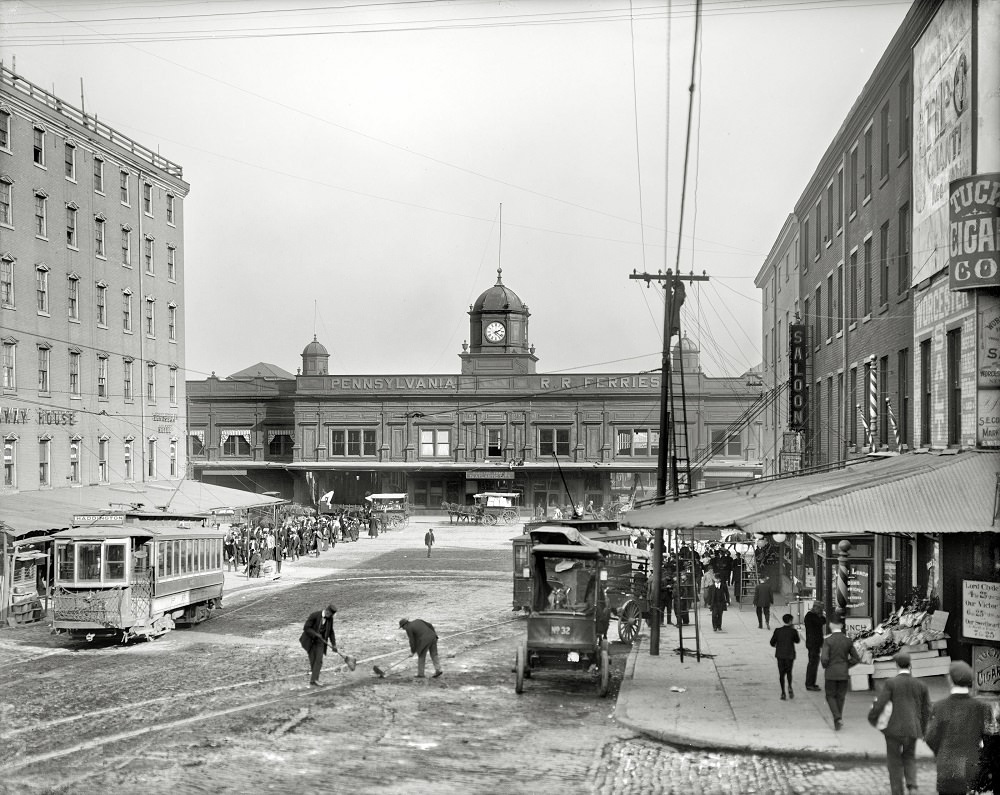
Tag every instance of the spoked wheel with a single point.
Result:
(394, 522)
(629, 619)
(520, 661)
(509, 517)
(604, 684)
(490, 520)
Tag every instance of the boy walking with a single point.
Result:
(784, 639)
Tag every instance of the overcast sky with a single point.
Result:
(348, 161)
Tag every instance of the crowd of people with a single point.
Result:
(248, 548)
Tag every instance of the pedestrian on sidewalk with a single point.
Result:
(423, 639)
(784, 639)
(911, 710)
(317, 634)
(815, 623)
(837, 657)
(955, 733)
(718, 601)
(429, 540)
(762, 600)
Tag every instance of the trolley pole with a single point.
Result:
(666, 468)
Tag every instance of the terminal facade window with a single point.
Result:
(638, 442)
(352, 442)
(725, 443)
(553, 441)
(435, 442)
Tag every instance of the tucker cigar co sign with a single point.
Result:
(797, 381)
(974, 232)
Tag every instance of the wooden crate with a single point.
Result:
(860, 681)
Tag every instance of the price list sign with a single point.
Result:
(981, 610)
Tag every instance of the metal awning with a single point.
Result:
(911, 493)
(53, 509)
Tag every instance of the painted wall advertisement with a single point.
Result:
(942, 132)
(974, 221)
(988, 369)
(981, 610)
(986, 669)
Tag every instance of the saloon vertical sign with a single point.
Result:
(797, 383)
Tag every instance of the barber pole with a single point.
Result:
(892, 422)
(872, 404)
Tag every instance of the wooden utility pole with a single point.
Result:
(666, 465)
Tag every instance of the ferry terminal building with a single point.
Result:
(497, 425)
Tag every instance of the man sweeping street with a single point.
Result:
(316, 635)
(423, 639)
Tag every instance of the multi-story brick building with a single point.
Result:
(91, 299)
(900, 291)
(496, 425)
(778, 280)
(854, 222)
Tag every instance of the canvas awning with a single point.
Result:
(911, 493)
(54, 509)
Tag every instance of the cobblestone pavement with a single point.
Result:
(224, 707)
(638, 766)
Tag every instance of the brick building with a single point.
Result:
(495, 425)
(778, 280)
(900, 291)
(854, 285)
(91, 299)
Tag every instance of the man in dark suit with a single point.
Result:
(423, 639)
(718, 601)
(316, 635)
(837, 656)
(815, 623)
(911, 709)
(784, 639)
(956, 731)
(763, 598)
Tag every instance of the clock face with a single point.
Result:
(495, 332)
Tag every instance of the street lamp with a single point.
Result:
(778, 538)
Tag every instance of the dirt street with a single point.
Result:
(226, 706)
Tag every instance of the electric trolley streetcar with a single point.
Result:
(135, 580)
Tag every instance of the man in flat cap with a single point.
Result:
(316, 635)
(956, 732)
(911, 710)
(422, 639)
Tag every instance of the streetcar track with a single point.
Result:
(201, 717)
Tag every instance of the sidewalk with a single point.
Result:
(731, 700)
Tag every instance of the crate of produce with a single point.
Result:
(860, 681)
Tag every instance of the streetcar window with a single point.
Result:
(114, 563)
(161, 550)
(177, 557)
(218, 554)
(201, 554)
(88, 562)
(64, 558)
(189, 549)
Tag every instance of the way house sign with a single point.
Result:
(797, 381)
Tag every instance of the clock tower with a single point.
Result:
(498, 334)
